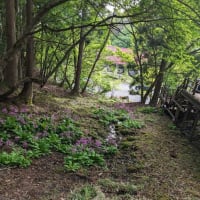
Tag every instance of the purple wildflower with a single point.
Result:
(24, 144)
(30, 116)
(74, 150)
(23, 110)
(17, 138)
(35, 125)
(87, 131)
(66, 134)
(98, 143)
(21, 120)
(12, 113)
(4, 110)
(1, 142)
(36, 138)
(112, 141)
(39, 135)
(54, 117)
(1, 121)
(9, 143)
(13, 109)
(83, 141)
(44, 134)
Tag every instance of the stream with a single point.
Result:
(123, 91)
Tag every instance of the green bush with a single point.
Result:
(85, 158)
(132, 124)
(14, 158)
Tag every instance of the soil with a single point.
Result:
(158, 158)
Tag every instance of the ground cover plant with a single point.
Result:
(119, 117)
(24, 136)
(68, 152)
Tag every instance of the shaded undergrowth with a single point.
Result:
(143, 157)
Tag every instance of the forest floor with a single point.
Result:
(156, 162)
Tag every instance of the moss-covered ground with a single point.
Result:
(154, 161)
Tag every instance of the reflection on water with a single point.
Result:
(123, 91)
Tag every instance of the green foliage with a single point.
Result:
(40, 136)
(84, 158)
(87, 192)
(148, 110)
(37, 137)
(172, 127)
(119, 117)
(42, 146)
(107, 117)
(129, 123)
(16, 157)
(118, 187)
(122, 38)
(110, 150)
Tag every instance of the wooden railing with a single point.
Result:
(183, 105)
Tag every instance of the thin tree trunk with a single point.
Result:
(96, 60)
(11, 70)
(158, 84)
(78, 70)
(76, 88)
(148, 91)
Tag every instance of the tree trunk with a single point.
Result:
(148, 91)
(76, 88)
(158, 84)
(96, 60)
(27, 92)
(78, 69)
(11, 69)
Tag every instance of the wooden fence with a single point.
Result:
(183, 105)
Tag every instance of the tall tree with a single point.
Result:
(27, 92)
(78, 67)
(11, 71)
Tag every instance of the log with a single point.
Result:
(192, 99)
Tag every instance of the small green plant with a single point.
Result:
(118, 187)
(14, 158)
(36, 137)
(110, 150)
(148, 110)
(172, 127)
(87, 192)
(42, 146)
(129, 123)
(84, 158)
(107, 117)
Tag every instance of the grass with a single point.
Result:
(145, 168)
(87, 192)
(148, 109)
(113, 186)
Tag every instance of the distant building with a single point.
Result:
(116, 60)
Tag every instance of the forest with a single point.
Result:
(63, 134)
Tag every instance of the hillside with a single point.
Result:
(149, 158)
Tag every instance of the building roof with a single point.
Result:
(117, 59)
